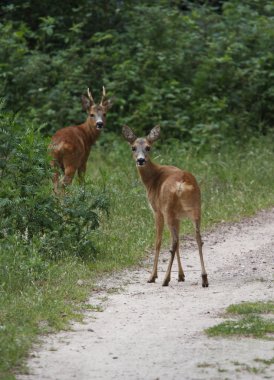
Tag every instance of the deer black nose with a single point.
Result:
(99, 124)
(141, 161)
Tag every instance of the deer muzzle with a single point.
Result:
(99, 124)
(140, 161)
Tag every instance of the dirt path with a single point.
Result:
(150, 332)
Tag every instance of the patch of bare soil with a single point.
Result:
(150, 332)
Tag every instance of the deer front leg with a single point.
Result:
(55, 182)
(159, 224)
(174, 232)
(56, 174)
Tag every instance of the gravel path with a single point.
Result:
(148, 332)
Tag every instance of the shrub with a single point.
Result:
(204, 74)
(31, 215)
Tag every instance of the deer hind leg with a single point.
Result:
(200, 244)
(174, 232)
(159, 223)
(81, 173)
(68, 177)
(181, 275)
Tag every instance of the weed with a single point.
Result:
(204, 365)
(265, 361)
(254, 370)
(251, 324)
(96, 308)
(221, 370)
(252, 308)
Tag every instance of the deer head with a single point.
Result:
(141, 146)
(96, 113)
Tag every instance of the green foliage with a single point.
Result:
(204, 75)
(30, 213)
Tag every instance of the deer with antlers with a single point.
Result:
(70, 146)
(173, 195)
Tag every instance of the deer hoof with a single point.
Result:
(166, 282)
(204, 281)
(181, 278)
(151, 279)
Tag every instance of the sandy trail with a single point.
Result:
(150, 332)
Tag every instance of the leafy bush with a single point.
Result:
(203, 74)
(30, 214)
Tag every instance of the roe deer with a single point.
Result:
(70, 146)
(173, 195)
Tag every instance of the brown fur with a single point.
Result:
(173, 194)
(70, 146)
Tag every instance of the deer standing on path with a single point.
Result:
(70, 146)
(173, 195)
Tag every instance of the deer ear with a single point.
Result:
(154, 134)
(86, 103)
(128, 134)
(107, 104)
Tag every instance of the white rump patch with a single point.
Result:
(181, 187)
(56, 146)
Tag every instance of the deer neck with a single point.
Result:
(149, 174)
(91, 132)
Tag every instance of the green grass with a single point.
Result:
(265, 361)
(254, 326)
(42, 296)
(251, 323)
(261, 369)
(251, 308)
(41, 307)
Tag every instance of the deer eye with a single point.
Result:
(92, 115)
(147, 148)
(104, 114)
(133, 148)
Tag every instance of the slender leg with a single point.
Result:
(174, 232)
(68, 177)
(56, 175)
(159, 223)
(200, 244)
(55, 182)
(81, 173)
(181, 275)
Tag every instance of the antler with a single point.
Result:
(90, 96)
(103, 95)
